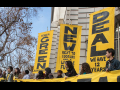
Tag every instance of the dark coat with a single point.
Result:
(48, 71)
(71, 73)
(60, 76)
(114, 65)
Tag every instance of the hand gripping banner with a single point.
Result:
(69, 46)
(101, 37)
(43, 51)
(112, 76)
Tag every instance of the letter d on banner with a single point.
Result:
(43, 51)
(69, 46)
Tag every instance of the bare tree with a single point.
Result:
(16, 41)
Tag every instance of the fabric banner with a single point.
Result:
(112, 76)
(43, 51)
(69, 46)
(101, 37)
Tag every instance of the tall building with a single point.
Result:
(78, 16)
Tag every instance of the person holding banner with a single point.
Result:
(26, 76)
(70, 68)
(40, 75)
(1, 73)
(9, 76)
(112, 63)
(59, 73)
(85, 69)
(17, 73)
(47, 73)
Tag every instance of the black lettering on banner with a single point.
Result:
(95, 28)
(69, 48)
(100, 38)
(65, 52)
(43, 51)
(43, 45)
(41, 58)
(2, 81)
(44, 40)
(15, 80)
(74, 31)
(118, 78)
(105, 14)
(97, 53)
(103, 79)
(62, 67)
(93, 59)
(97, 64)
(68, 38)
(101, 59)
(42, 66)
(84, 80)
(67, 81)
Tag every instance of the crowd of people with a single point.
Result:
(111, 64)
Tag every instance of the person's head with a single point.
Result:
(69, 65)
(0, 71)
(10, 69)
(85, 68)
(47, 71)
(40, 75)
(110, 52)
(59, 72)
(17, 71)
(26, 72)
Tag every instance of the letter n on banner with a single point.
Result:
(101, 37)
(69, 46)
(43, 51)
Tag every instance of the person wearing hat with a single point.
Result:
(26, 76)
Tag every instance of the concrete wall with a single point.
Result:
(78, 16)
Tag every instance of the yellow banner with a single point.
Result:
(112, 76)
(43, 51)
(101, 37)
(69, 46)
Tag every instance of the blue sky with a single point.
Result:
(41, 22)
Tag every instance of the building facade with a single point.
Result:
(78, 16)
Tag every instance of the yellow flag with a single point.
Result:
(112, 76)
(101, 37)
(43, 51)
(69, 46)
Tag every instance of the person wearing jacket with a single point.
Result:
(1, 73)
(17, 73)
(112, 63)
(26, 76)
(70, 69)
(59, 73)
(47, 73)
(9, 76)
(40, 75)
